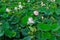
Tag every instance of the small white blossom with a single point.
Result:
(52, 0)
(42, 17)
(30, 20)
(0, 23)
(36, 13)
(15, 8)
(28, 1)
(19, 3)
(20, 6)
(47, 7)
(8, 10)
(42, 4)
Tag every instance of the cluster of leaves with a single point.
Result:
(13, 25)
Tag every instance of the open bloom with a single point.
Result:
(30, 20)
(36, 13)
(8, 10)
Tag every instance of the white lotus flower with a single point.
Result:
(8, 10)
(30, 20)
(36, 13)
